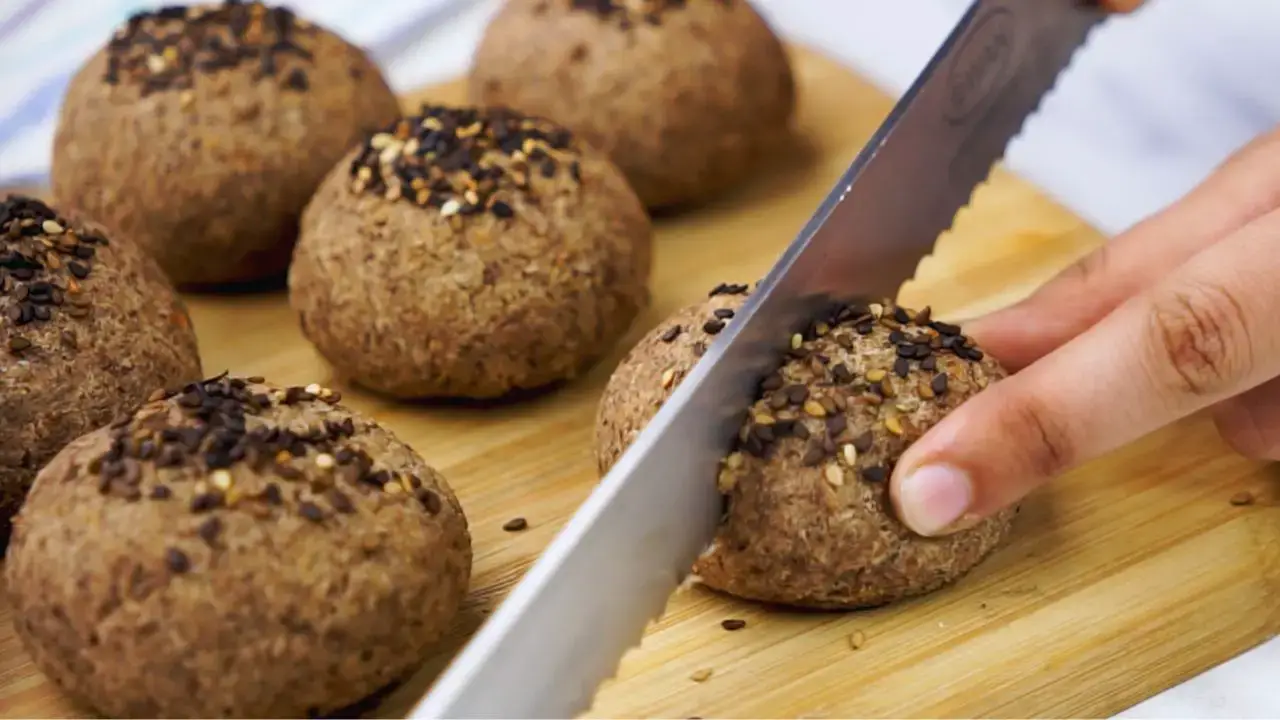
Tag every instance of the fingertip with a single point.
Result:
(933, 500)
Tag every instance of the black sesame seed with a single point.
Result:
(205, 502)
(177, 561)
(670, 334)
(723, 313)
(901, 367)
(339, 501)
(732, 625)
(863, 442)
(713, 326)
(430, 501)
(310, 511)
(797, 394)
(161, 492)
(930, 363)
(901, 315)
(939, 384)
(515, 524)
(210, 529)
(79, 269)
(272, 494)
(297, 79)
(501, 210)
(875, 473)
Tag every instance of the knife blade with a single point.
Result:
(566, 625)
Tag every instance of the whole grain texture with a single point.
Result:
(89, 326)
(652, 369)
(807, 518)
(469, 253)
(684, 96)
(235, 549)
(201, 132)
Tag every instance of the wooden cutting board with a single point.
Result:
(1123, 579)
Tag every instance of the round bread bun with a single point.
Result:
(89, 326)
(469, 253)
(201, 133)
(652, 369)
(808, 522)
(684, 96)
(235, 549)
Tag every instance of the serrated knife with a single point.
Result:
(588, 599)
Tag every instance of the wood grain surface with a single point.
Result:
(1127, 576)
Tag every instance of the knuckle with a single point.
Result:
(1090, 268)
(1199, 335)
(1045, 438)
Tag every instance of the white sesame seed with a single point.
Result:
(850, 454)
(325, 461)
(834, 475)
(381, 140)
(450, 207)
(221, 479)
(313, 388)
(668, 377)
(796, 341)
(51, 227)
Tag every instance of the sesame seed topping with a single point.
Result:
(41, 264)
(713, 326)
(729, 289)
(732, 625)
(515, 524)
(670, 334)
(222, 423)
(628, 14)
(464, 161)
(166, 48)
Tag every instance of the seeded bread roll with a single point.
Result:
(650, 372)
(808, 521)
(88, 327)
(466, 253)
(201, 133)
(684, 96)
(235, 550)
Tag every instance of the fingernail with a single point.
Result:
(934, 497)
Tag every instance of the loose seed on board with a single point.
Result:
(668, 378)
(515, 524)
(702, 675)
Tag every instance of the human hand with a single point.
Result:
(1178, 314)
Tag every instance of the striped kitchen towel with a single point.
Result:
(43, 43)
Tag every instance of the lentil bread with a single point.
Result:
(684, 96)
(469, 253)
(88, 327)
(652, 369)
(235, 549)
(202, 132)
(808, 520)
